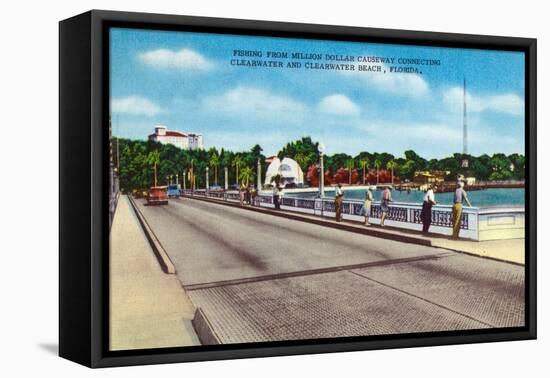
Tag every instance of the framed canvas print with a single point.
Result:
(233, 188)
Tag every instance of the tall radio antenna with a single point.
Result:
(465, 125)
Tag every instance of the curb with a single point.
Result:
(203, 329)
(474, 254)
(321, 222)
(162, 257)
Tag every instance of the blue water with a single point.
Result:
(478, 198)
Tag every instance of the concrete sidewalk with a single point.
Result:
(510, 250)
(148, 308)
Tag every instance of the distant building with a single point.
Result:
(430, 177)
(189, 141)
(470, 180)
(290, 171)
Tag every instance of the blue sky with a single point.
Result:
(186, 82)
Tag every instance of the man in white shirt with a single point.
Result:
(426, 213)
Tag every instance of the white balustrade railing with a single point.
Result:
(476, 223)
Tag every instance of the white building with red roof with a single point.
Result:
(189, 141)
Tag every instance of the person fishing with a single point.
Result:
(384, 204)
(426, 213)
(338, 201)
(456, 214)
(367, 205)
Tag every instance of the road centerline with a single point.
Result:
(209, 285)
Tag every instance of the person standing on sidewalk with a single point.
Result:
(241, 194)
(247, 195)
(384, 204)
(276, 196)
(426, 213)
(338, 200)
(367, 205)
(253, 194)
(456, 215)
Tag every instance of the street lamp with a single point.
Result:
(259, 184)
(321, 149)
(226, 186)
(207, 184)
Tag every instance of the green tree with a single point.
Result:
(500, 165)
(237, 162)
(246, 176)
(364, 162)
(391, 165)
(304, 159)
(154, 159)
(350, 164)
(337, 161)
(377, 165)
(214, 162)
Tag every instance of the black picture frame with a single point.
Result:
(83, 182)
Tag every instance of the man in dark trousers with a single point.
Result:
(338, 200)
(276, 196)
(426, 213)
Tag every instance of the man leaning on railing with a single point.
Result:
(456, 215)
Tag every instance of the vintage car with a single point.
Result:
(173, 191)
(140, 193)
(157, 196)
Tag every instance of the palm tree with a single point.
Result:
(365, 165)
(391, 166)
(377, 165)
(247, 175)
(154, 159)
(237, 162)
(349, 165)
(214, 162)
(192, 175)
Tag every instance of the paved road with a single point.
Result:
(264, 278)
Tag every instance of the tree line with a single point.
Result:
(142, 161)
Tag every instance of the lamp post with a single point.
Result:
(321, 149)
(183, 179)
(226, 186)
(207, 184)
(192, 177)
(177, 179)
(259, 181)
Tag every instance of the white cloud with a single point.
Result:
(504, 103)
(184, 59)
(338, 104)
(396, 83)
(135, 105)
(428, 132)
(246, 101)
